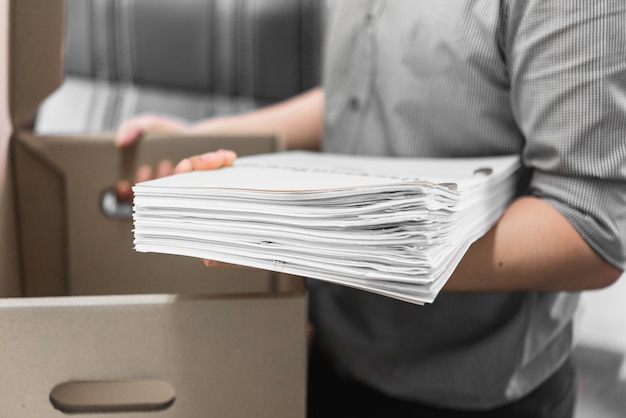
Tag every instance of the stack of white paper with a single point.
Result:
(393, 226)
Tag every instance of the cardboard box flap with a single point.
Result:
(35, 55)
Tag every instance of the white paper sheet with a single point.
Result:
(393, 226)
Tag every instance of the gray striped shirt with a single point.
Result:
(542, 78)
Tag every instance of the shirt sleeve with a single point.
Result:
(567, 68)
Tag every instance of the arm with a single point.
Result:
(569, 76)
(532, 247)
(297, 120)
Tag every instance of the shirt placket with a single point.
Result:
(362, 75)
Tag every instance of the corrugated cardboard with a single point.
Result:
(223, 358)
(68, 246)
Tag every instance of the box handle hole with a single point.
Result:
(114, 208)
(484, 171)
(112, 396)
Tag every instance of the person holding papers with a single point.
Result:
(448, 78)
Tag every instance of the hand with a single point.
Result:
(131, 130)
(128, 134)
(124, 188)
(209, 161)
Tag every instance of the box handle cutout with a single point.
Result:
(485, 171)
(113, 396)
(114, 208)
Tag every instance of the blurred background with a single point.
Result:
(600, 352)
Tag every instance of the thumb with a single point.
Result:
(209, 161)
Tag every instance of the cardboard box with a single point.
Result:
(182, 356)
(68, 245)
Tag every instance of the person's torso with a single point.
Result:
(428, 78)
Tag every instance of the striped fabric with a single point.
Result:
(188, 59)
(542, 78)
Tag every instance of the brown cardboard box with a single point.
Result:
(233, 352)
(220, 357)
(68, 245)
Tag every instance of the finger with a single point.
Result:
(229, 156)
(144, 173)
(124, 191)
(130, 131)
(183, 166)
(165, 168)
(208, 161)
(213, 160)
(213, 263)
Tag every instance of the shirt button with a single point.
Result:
(354, 103)
(369, 19)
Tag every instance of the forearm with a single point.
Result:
(298, 121)
(532, 247)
